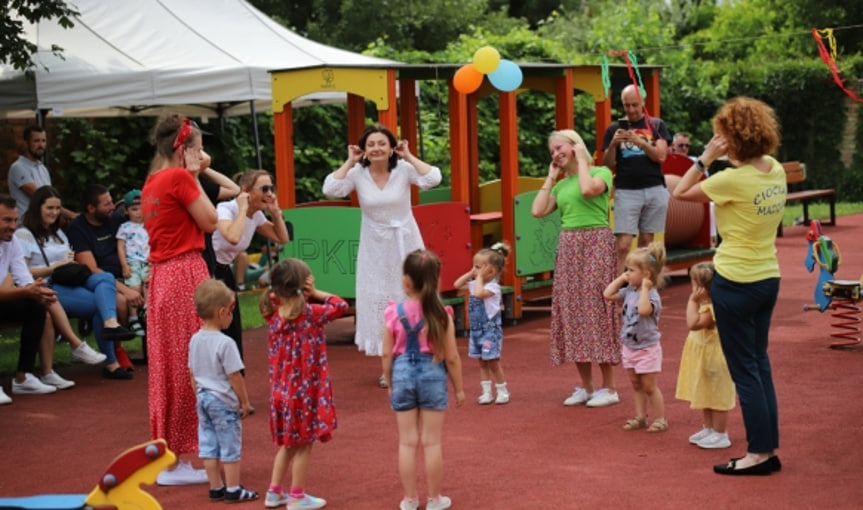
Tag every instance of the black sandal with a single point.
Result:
(217, 494)
(240, 495)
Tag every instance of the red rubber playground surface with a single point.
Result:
(531, 453)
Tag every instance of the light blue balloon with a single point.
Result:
(507, 77)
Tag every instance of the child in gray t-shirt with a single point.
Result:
(216, 369)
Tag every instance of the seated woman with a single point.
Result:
(239, 220)
(46, 248)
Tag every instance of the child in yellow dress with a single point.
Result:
(703, 379)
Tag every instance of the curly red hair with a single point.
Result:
(749, 126)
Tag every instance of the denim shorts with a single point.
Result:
(640, 210)
(220, 429)
(417, 382)
(485, 344)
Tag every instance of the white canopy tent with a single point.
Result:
(134, 57)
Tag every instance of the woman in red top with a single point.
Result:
(176, 215)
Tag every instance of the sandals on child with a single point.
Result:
(382, 382)
(658, 425)
(635, 424)
(240, 495)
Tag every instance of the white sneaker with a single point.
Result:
(409, 504)
(305, 502)
(54, 379)
(701, 434)
(485, 398)
(31, 386)
(439, 503)
(715, 440)
(502, 398)
(579, 396)
(183, 474)
(85, 354)
(4, 398)
(602, 398)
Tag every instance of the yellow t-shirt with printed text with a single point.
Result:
(749, 206)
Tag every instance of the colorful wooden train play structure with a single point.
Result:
(462, 218)
(119, 488)
(840, 296)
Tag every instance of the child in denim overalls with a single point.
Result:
(484, 309)
(419, 352)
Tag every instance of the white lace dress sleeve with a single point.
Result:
(339, 188)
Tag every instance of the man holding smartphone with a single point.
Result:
(635, 151)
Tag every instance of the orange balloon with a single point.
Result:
(467, 79)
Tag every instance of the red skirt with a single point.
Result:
(171, 322)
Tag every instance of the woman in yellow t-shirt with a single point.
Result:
(749, 198)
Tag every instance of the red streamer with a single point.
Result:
(831, 63)
(631, 71)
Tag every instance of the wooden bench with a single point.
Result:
(795, 173)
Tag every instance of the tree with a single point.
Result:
(15, 49)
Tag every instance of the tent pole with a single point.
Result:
(420, 127)
(257, 135)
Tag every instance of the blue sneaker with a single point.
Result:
(305, 502)
(273, 500)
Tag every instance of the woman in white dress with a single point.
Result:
(381, 171)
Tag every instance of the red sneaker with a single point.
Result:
(123, 358)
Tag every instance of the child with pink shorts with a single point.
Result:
(637, 290)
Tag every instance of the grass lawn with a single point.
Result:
(819, 211)
(252, 317)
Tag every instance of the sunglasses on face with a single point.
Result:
(266, 188)
(682, 145)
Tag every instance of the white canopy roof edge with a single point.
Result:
(139, 57)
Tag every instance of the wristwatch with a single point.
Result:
(701, 168)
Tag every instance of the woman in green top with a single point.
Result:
(749, 198)
(584, 326)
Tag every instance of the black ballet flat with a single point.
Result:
(774, 463)
(118, 373)
(773, 460)
(118, 334)
(761, 469)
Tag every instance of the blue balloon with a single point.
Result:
(507, 77)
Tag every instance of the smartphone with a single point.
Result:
(623, 123)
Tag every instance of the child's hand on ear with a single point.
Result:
(699, 295)
(309, 287)
(646, 283)
(487, 271)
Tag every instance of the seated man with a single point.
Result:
(93, 236)
(26, 304)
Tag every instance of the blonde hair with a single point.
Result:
(571, 137)
(423, 269)
(702, 275)
(650, 259)
(496, 255)
(211, 295)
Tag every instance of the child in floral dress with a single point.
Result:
(301, 397)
